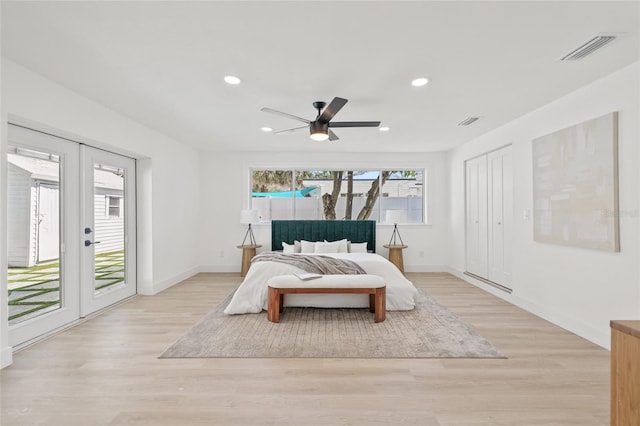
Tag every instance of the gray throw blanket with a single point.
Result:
(316, 264)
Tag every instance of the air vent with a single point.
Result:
(589, 47)
(468, 121)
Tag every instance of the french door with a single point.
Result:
(43, 294)
(61, 194)
(108, 216)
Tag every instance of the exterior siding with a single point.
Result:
(20, 223)
(33, 228)
(22, 217)
(108, 230)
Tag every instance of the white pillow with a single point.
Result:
(358, 248)
(326, 247)
(296, 247)
(307, 247)
(342, 247)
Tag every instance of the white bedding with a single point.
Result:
(251, 296)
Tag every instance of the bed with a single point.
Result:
(251, 295)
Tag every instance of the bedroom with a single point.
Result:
(547, 279)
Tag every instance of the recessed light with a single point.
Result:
(384, 129)
(418, 82)
(232, 79)
(266, 129)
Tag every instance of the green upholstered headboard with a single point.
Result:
(357, 231)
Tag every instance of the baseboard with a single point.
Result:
(599, 337)
(220, 268)
(6, 357)
(425, 268)
(159, 286)
(455, 272)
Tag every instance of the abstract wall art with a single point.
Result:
(575, 185)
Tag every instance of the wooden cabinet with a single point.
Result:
(625, 373)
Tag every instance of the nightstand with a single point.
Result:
(248, 252)
(395, 255)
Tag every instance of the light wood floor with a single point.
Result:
(105, 371)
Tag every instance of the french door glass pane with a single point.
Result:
(33, 233)
(109, 227)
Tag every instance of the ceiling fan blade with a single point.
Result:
(332, 109)
(354, 124)
(284, 114)
(282, 132)
(332, 136)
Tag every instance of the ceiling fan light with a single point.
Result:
(319, 135)
(319, 131)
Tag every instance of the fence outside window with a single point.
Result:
(335, 194)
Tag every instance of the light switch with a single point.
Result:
(525, 214)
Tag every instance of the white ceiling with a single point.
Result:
(163, 63)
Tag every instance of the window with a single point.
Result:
(337, 194)
(114, 207)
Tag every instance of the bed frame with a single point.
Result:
(356, 231)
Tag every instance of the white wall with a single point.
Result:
(167, 187)
(578, 289)
(223, 232)
(184, 227)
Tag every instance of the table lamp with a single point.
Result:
(247, 217)
(395, 217)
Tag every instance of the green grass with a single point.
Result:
(32, 269)
(36, 275)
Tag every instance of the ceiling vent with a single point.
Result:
(468, 121)
(589, 47)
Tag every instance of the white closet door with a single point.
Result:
(500, 216)
(476, 204)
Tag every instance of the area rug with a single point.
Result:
(428, 331)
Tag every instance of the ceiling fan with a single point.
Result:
(320, 127)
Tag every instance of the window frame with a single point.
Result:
(108, 199)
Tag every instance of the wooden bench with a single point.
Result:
(372, 285)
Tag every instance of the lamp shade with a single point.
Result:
(249, 216)
(396, 216)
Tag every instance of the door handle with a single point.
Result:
(87, 243)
